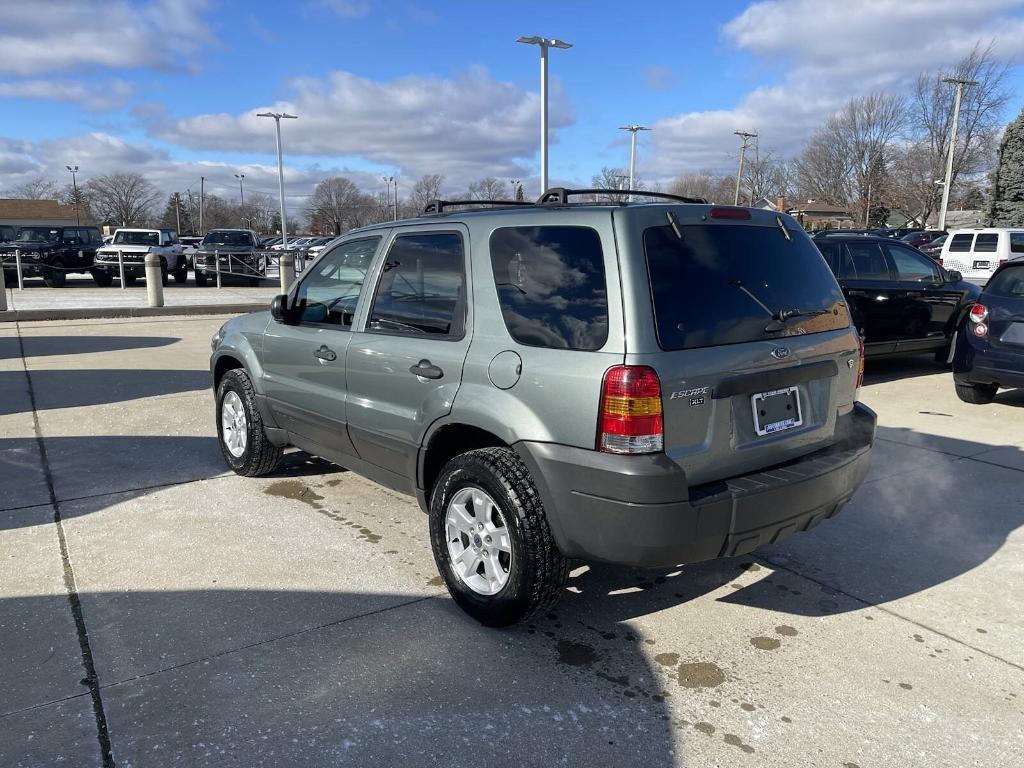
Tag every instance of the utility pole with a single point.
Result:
(241, 194)
(632, 151)
(960, 83)
(746, 137)
(177, 211)
(867, 210)
(74, 184)
(202, 199)
(278, 116)
(544, 43)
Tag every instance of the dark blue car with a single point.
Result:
(989, 351)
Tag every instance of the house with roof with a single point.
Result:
(26, 213)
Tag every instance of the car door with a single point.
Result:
(404, 365)
(925, 302)
(304, 359)
(867, 283)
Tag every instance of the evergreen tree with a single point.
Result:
(1008, 192)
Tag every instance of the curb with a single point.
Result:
(89, 313)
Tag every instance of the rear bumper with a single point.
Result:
(638, 510)
(977, 362)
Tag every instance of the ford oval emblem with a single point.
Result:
(780, 353)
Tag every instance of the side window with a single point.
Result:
(912, 267)
(330, 290)
(986, 242)
(422, 288)
(961, 243)
(866, 262)
(551, 286)
(1017, 242)
(831, 253)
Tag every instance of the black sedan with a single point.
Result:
(902, 302)
(989, 351)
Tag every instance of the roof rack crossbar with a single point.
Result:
(561, 195)
(438, 206)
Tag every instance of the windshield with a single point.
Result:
(38, 235)
(735, 278)
(231, 239)
(121, 237)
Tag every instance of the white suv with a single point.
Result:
(977, 253)
(134, 244)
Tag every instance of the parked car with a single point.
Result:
(495, 384)
(902, 301)
(51, 253)
(270, 242)
(933, 249)
(293, 243)
(977, 253)
(919, 238)
(235, 250)
(989, 352)
(131, 245)
(7, 234)
(316, 247)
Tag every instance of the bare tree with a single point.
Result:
(715, 188)
(123, 199)
(335, 204)
(425, 190)
(981, 113)
(39, 188)
(488, 188)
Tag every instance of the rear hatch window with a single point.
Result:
(721, 284)
(1007, 284)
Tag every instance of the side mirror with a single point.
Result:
(279, 308)
(953, 276)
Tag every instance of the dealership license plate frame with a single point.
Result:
(771, 402)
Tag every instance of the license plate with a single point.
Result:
(981, 265)
(776, 411)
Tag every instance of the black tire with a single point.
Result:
(102, 279)
(129, 280)
(254, 282)
(55, 277)
(181, 273)
(538, 571)
(165, 278)
(260, 456)
(200, 279)
(976, 394)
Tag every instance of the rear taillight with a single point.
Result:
(630, 419)
(941, 262)
(860, 363)
(978, 314)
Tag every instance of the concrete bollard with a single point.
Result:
(17, 265)
(3, 288)
(216, 264)
(154, 281)
(287, 270)
(120, 267)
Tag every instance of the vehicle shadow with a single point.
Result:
(48, 346)
(886, 369)
(268, 677)
(1014, 397)
(70, 388)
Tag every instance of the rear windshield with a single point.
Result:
(136, 238)
(708, 288)
(1009, 283)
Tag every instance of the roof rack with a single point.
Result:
(561, 195)
(438, 206)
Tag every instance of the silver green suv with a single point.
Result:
(638, 383)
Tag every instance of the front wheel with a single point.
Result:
(200, 279)
(240, 431)
(55, 276)
(181, 273)
(977, 394)
(491, 540)
(102, 279)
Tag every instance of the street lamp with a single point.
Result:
(544, 43)
(388, 181)
(74, 184)
(633, 129)
(241, 195)
(515, 188)
(960, 83)
(278, 116)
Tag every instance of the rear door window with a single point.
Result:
(1017, 242)
(551, 286)
(865, 262)
(961, 243)
(986, 242)
(720, 284)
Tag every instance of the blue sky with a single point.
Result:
(169, 87)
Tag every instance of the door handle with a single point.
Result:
(325, 353)
(426, 369)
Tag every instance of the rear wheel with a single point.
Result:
(102, 279)
(55, 276)
(491, 540)
(164, 277)
(200, 279)
(181, 273)
(977, 394)
(243, 442)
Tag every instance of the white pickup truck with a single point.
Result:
(131, 247)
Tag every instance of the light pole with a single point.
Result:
(515, 188)
(544, 43)
(389, 180)
(74, 184)
(241, 194)
(746, 137)
(960, 83)
(633, 129)
(280, 169)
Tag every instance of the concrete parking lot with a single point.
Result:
(156, 610)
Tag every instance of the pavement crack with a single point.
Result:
(91, 679)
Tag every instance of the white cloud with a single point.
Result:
(92, 97)
(63, 35)
(828, 52)
(464, 128)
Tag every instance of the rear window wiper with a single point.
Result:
(779, 318)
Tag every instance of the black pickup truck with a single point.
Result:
(51, 253)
